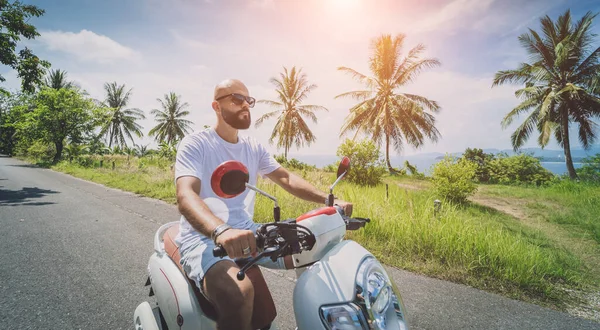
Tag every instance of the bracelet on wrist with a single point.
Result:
(219, 230)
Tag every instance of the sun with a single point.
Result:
(344, 3)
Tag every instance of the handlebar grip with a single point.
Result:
(219, 251)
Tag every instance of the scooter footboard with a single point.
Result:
(175, 296)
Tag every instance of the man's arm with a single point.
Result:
(193, 208)
(297, 186)
(300, 188)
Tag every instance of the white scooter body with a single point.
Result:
(336, 280)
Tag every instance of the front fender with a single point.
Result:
(328, 281)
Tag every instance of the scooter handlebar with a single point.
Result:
(219, 251)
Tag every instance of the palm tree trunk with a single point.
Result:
(567, 146)
(387, 154)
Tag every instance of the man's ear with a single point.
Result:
(216, 106)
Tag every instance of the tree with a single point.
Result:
(58, 115)
(120, 122)
(140, 150)
(57, 79)
(12, 109)
(482, 160)
(561, 84)
(171, 126)
(383, 112)
(14, 18)
(291, 129)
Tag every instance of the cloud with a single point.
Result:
(188, 42)
(261, 3)
(87, 46)
(453, 14)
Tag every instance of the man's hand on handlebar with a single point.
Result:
(238, 243)
(346, 206)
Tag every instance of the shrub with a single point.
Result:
(366, 165)
(331, 167)
(519, 169)
(412, 170)
(41, 151)
(454, 179)
(294, 163)
(590, 171)
(482, 160)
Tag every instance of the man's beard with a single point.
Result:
(234, 120)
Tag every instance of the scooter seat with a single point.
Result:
(261, 318)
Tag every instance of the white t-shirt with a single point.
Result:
(198, 155)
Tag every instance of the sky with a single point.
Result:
(188, 46)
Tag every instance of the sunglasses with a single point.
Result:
(239, 99)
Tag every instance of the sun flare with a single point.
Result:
(344, 3)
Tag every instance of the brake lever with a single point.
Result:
(241, 275)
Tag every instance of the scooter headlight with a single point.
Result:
(343, 317)
(378, 297)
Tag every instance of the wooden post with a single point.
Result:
(386, 191)
(113, 165)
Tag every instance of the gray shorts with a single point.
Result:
(198, 258)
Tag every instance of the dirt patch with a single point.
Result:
(408, 186)
(510, 206)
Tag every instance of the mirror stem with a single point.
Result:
(330, 200)
(263, 193)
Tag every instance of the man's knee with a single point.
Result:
(226, 291)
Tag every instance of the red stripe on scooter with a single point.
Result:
(175, 294)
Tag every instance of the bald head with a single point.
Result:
(230, 86)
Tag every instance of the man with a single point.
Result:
(208, 220)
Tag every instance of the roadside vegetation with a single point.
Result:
(538, 255)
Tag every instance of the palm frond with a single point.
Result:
(357, 95)
(359, 76)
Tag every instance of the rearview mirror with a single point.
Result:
(343, 169)
(229, 179)
(344, 166)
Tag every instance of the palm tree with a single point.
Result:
(57, 79)
(171, 124)
(120, 122)
(140, 150)
(383, 112)
(561, 84)
(292, 88)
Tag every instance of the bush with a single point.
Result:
(454, 179)
(519, 169)
(590, 171)
(331, 168)
(412, 170)
(294, 163)
(482, 160)
(366, 165)
(42, 151)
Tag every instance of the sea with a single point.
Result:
(423, 164)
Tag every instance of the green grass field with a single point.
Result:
(470, 243)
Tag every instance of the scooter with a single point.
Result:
(339, 284)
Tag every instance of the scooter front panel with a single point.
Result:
(329, 230)
(328, 281)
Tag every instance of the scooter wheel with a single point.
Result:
(143, 317)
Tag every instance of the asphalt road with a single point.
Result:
(74, 256)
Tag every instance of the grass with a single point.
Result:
(577, 205)
(468, 243)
